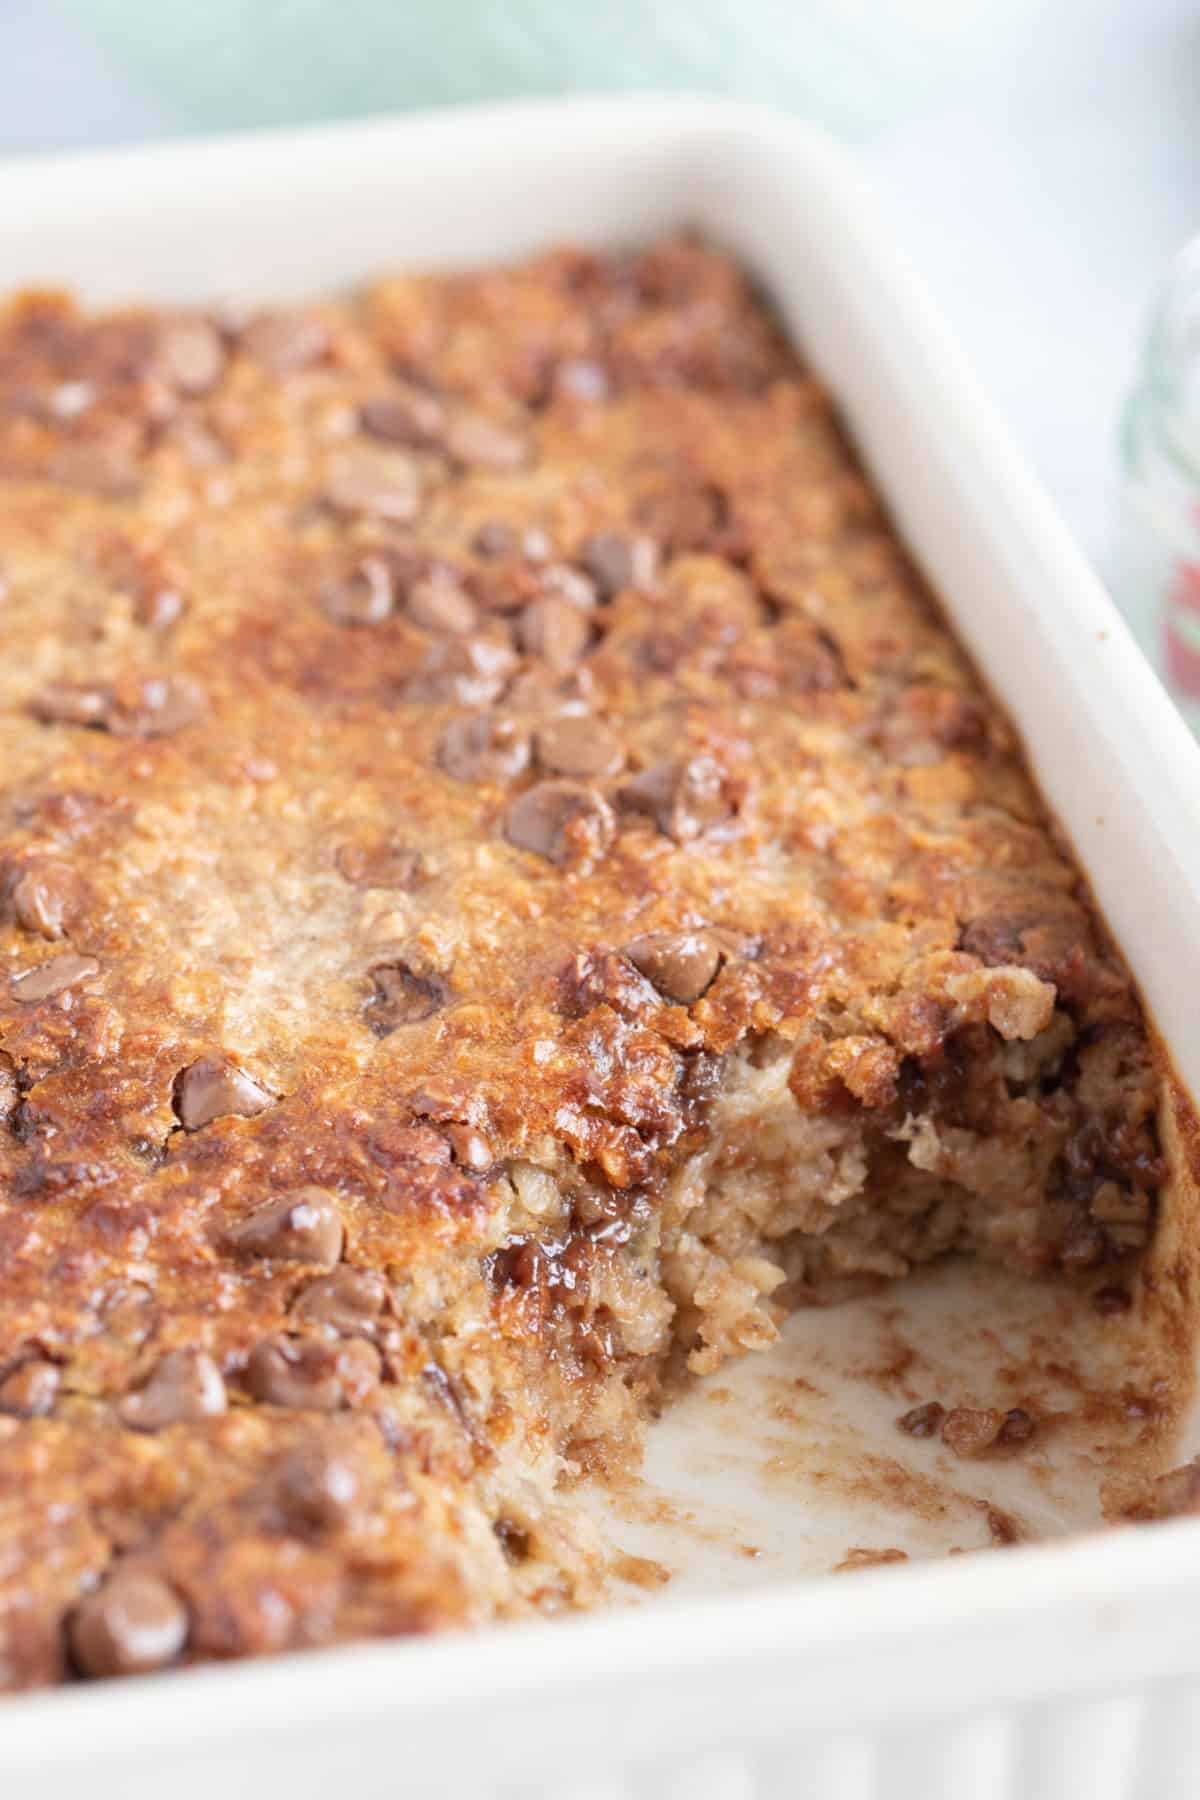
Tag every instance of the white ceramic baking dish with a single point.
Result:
(1063, 1669)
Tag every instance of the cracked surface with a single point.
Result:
(479, 756)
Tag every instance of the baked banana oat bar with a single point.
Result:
(508, 886)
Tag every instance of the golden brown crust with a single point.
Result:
(439, 734)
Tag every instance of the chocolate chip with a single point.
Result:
(405, 415)
(44, 898)
(185, 1386)
(53, 977)
(601, 978)
(154, 706)
(491, 747)
(471, 671)
(1018, 1427)
(923, 1421)
(283, 341)
(380, 483)
(190, 355)
(566, 583)
(494, 538)
(478, 442)
(213, 1087)
(360, 593)
(31, 1390)
(74, 703)
(159, 707)
(318, 1489)
(681, 964)
(554, 629)
(685, 797)
(578, 744)
(565, 822)
(615, 562)
(381, 865)
(130, 1625)
(441, 605)
(402, 997)
(543, 694)
(312, 1374)
(349, 1302)
(304, 1226)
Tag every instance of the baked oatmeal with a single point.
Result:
(509, 886)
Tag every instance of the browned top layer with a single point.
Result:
(433, 728)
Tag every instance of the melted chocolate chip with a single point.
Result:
(441, 605)
(406, 414)
(923, 1421)
(681, 964)
(554, 629)
(159, 706)
(684, 797)
(402, 997)
(615, 562)
(381, 483)
(381, 866)
(350, 1302)
(283, 341)
(185, 1385)
(74, 703)
(566, 583)
(470, 670)
(213, 1087)
(30, 1391)
(318, 1489)
(494, 538)
(378, 485)
(312, 1374)
(358, 594)
(155, 706)
(578, 744)
(540, 693)
(490, 747)
(44, 897)
(130, 1625)
(476, 441)
(52, 978)
(564, 821)
(304, 1226)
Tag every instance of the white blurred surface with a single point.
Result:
(1041, 193)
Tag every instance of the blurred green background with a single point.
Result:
(855, 64)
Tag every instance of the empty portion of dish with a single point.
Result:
(509, 886)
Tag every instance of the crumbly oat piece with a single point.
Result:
(506, 884)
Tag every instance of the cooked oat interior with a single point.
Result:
(509, 885)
